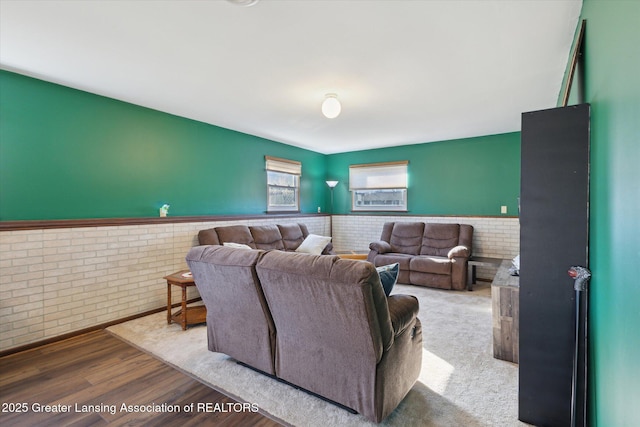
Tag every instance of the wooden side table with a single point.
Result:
(362, 256)
(481, 261)
(186, 315)
(505, 308)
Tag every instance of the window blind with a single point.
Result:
(275, 164)
(378, 176)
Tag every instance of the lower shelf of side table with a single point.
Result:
(195, 314)
(360, 257)
(480, 261)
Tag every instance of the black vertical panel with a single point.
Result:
(554, 216)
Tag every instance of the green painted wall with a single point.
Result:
(612, 87)
(473, 176)
(68, 154)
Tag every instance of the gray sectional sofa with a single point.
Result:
(318, 322)
(286, 237)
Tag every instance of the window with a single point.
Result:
(283, 184)
(379, 186)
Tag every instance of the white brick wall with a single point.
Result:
(56, 281)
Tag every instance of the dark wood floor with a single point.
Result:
(100, 370)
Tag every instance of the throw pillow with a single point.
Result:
(314, 244)
(237, 245)
(388, 276)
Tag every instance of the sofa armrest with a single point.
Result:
(380, 246)
(403, 309)
(459, 252)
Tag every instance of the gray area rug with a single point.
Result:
(461, 384)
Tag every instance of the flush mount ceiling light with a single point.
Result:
(331, 106)
(245, 3)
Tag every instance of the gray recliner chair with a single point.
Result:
(239, 323)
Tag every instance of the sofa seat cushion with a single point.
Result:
(267, 237)
(431, 264)
(406, 237)
(441, 281)
(392, 258)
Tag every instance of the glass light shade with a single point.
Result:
(332, 183)
(331, 106)
(245, 3)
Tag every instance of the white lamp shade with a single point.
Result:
(332, 183)
(331, 106)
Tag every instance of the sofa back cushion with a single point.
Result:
(267, 237)
(332, 310)
(208, 237)
(236, 234)
(292, 235)
(439, 239)
(406, 237)
(238, 321)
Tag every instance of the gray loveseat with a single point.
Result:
(429, 254)
(318, 322)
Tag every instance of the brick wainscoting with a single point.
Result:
(57, 281)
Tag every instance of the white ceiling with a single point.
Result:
(405, 71)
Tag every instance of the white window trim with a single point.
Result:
(379, 177)
(290, 167)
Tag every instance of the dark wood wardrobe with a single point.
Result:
(554, 236)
